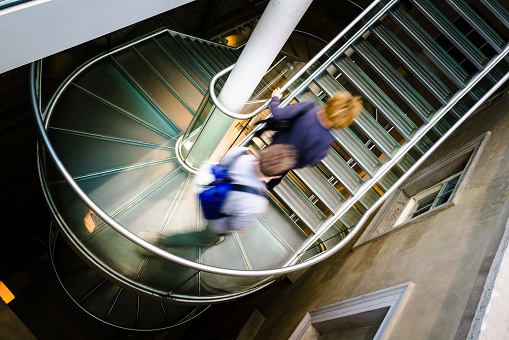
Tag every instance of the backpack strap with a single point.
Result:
(248, 189)
(240, 187)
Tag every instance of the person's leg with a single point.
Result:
(196, 238)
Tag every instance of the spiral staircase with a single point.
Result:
(110, 165)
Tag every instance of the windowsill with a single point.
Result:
(423, 216)
(405, 224)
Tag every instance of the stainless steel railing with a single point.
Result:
(290, 267)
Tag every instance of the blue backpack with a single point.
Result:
(214, 194)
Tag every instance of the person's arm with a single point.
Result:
(286, 112)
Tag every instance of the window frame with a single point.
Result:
(412, 206)
(394, 298)
(386, 219)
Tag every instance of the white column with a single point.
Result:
(270, 34)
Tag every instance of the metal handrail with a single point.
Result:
(10, 3)
(403, 150)
(279, 271)
(297, 75)
(268, 272)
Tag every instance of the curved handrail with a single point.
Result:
(10, 3)
(268, 272)
(297, 75)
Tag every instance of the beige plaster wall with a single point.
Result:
(444, 255)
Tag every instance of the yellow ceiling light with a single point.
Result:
(5, 293)
(89, 221)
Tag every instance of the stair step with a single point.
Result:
(272, 252)
(299, 204)
(428, 44)
(171, 73)
(321, 187)
(500, 12)
(197, 52)
(492, 37)
(374, 95)
(451, 32)
(420, 106)
(277, 220)
(106, 81)
(357, 150)
(181, 57)
(79, 110)
(217, 54)
(365, 122)
(77, 151)
(174, 109)
(417, 67)
(343, 172)
(412, 62)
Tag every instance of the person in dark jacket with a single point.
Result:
(309, 133)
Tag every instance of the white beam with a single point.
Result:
(39, 28)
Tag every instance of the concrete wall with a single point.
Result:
(40, 28)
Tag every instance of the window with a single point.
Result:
(430, 190)
(370, 316)
(430, 198)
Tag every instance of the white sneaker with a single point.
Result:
(221, 239)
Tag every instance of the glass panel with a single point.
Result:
(284, 226)
(336, 234)
(194, 129)
(447, 190)
(350, 218)
(168, 276)
(423, 205)
(369, 198)
(116, 191)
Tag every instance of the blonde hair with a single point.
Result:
(341, 109)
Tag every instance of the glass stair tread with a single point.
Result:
(271, 253)
(151, 85)
(321, 187)
(380, 65)
(106, 81)
(171, 44)
(82, 155)
(283, 226)
(451, 32)
(171, 73)
(77, 110)
(111, 192)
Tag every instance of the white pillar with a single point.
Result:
(270, 34)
